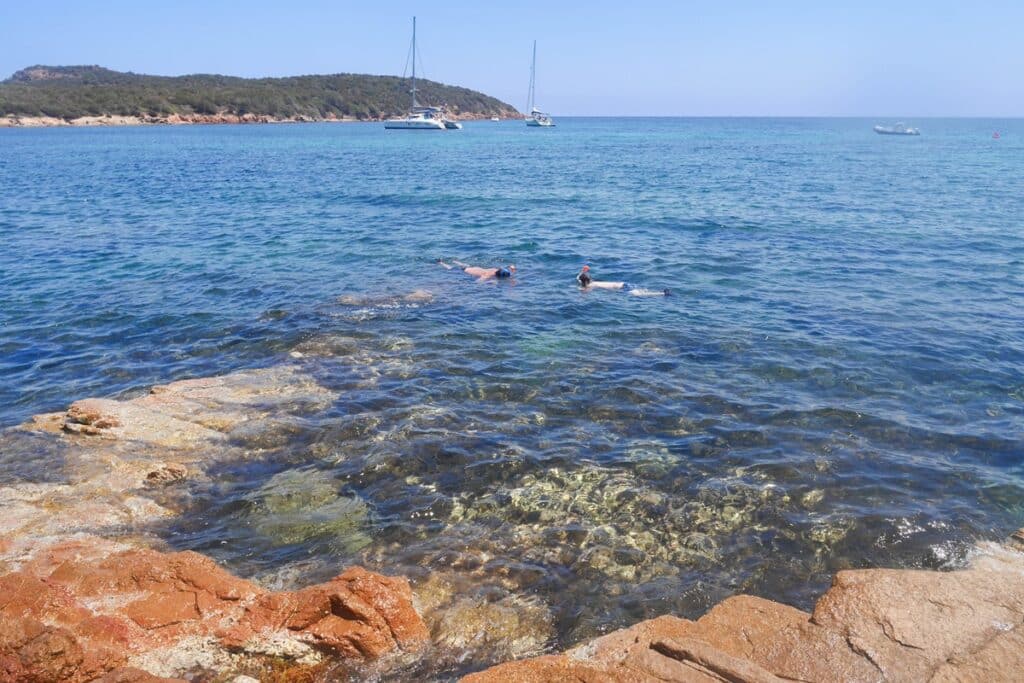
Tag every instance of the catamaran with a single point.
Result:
(419, 117)
(536, 117)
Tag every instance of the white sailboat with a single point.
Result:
(898, 129)
(418, 118)
(536, 117)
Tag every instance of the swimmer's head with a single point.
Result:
(586, 268)
(511, 267)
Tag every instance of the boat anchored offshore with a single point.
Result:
(448, 117)
(536, 118)
(898, 129)
(418, 118)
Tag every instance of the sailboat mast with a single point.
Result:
(414, 104)
(533, 78)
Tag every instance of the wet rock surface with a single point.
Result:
(83, 592)
(872, 625)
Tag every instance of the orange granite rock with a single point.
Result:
(356, 614)
(81, 609)
(132, 675)
(872, 625)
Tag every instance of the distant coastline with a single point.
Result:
(48, 96)
(115, 121)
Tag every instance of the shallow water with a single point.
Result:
(836, 381)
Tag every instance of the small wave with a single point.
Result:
(640, 291)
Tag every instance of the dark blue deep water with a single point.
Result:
(837, 379)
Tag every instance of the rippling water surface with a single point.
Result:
(836, 381)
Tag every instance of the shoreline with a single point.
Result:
(91, 581)
(115, 121)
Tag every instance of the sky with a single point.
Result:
(905, 58)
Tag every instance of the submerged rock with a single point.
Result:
(481, 623)
(419, 296)
(613, 523)
(296, 506)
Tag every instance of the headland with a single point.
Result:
(94, 96)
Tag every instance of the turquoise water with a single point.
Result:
(837, 379)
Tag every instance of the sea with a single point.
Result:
(836, 379)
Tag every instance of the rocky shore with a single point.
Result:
(90, 590)
(87, 592)
(872, 625)
(183, 119)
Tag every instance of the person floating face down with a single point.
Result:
(482, 274)
(587, 282)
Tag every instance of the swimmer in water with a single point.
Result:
(587, 282)
(482, 274)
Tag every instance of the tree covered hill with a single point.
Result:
(69, 92)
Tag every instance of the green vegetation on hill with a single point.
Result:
(72, 91)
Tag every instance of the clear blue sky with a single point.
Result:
(642, 57)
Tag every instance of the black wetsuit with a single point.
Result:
(584, 279)
(502, 272)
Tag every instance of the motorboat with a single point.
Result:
(419, 117)
(536, 118)
(898, 129)
(450, 122)
(495, 119)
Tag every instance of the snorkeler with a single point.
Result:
(587, 282)
(482, 274)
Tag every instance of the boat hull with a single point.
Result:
(881, 130)
(534, 123)
(413, 124)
